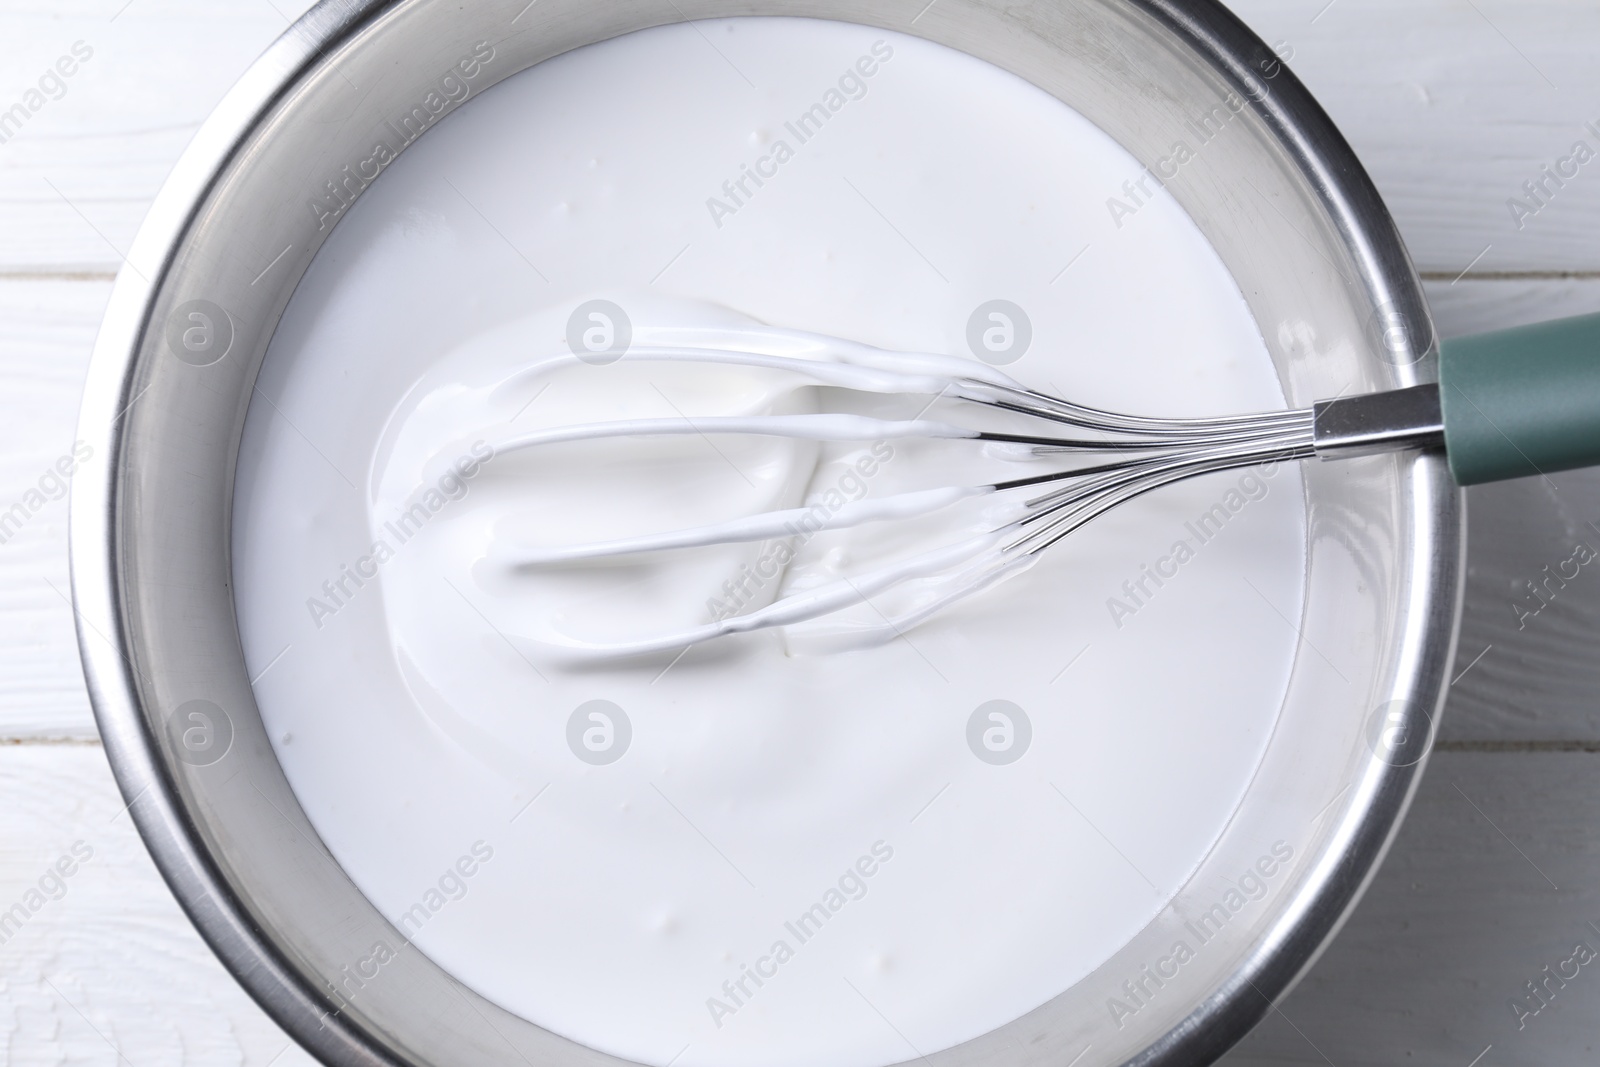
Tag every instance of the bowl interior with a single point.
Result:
(1279, 197)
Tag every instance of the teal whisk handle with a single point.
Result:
(1522, 402)
(1509, 404)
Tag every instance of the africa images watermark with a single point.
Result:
(1204, 528)
(738, 191)
(599, 732)
(1250, 887)
(999, 732)
(451, 89)
(852, 885)
(451, 886)
(752, 578)
(453, 485)
(1541, 190)
(51, 886)
(1542, 989)
(51, 85)
(51, 485)
(1542, 594)
(1211, 124)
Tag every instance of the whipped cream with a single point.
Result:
(818, 843)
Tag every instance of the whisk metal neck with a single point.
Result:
(1378, 422)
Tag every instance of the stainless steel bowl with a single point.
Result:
(1282, 199)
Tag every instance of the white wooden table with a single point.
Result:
(1452, 104)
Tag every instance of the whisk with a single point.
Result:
(1098, 460)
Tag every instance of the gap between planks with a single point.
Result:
(1516, 746)
(94, 275)
(1510, 276)
(1438, 746)
(82, 742)
(58, 275)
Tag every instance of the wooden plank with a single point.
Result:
(1452, 106)
(78, 175)
(46, 332)
(1538, 679)
(1476, 306)
(1447, 103)
(1461, 916)
(105, 970)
